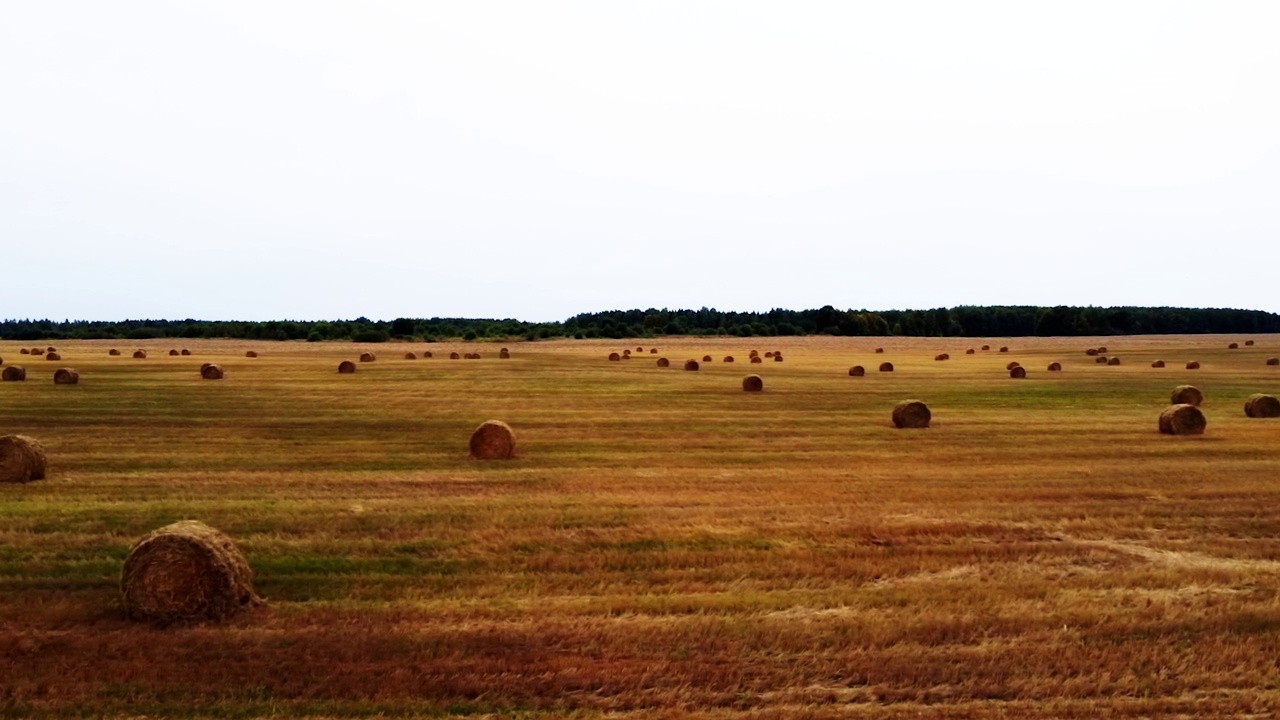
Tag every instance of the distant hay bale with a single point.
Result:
(51, 349)
(1182, 420)
(691, 365)
(53, 356)
(1055, 367)
(1262, 406)
(504, 354)
(25, 351)
(626, 357)
(1091, 352)
(1193, 365)
(1157, 364)
(186, 571)
(614, 357)
(663, 362)
(426, 354)
(911, 414)
(368, 357)
(768, 353)
(493, 440)
(113, 351)
(13, 373)
(66, 376)
(639, 349)
(879, 351)
(1186, 395)
(1113, 361)
(173, 353)
(753, 353)
(346, 367)
(139, 354)
(1248, 343)
(728, 358)
(251, 354)
(1273, 361)
(1013, 365)
(886, 367)
(706, 358)
(1004, 349)
(454, 356)
(1018, 373)
(942, 356)
(777, 357)
(1233, 346)
(986, 347)
(213, 371)
(475, 356)
(185, 352)
(37, 351)
(1101, 360)
(410, 356)
(857, 371)
(1102, 349)
(970, 351)
(22, 459)
(756, 360)
(753, 383)
(653, 351)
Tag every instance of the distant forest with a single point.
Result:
(964, 321)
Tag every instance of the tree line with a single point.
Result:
(962, 321)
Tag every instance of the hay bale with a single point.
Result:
(454, 356)
(614, 357)
(663, 362)
(493, 440)
(753, 383)
(624, 357)
(1186, 395)
(53, 356)
(942, 356)
(1157, 364)
(653, 351)
(706, 358)
(1113, 361)
(857, 371)
(1233, 346)
(25, 351)
(410, 356)
(1013, 365)
(37, 351)
(66, 376)
(1273, 361)
(886, 367)
(1018, 373)
(185, 352)
(690, 365)
(879, 351)
(251, 354)
(1262, 406)
(911, 414)
(1182, 420)
(1248, 343)
(504, 354)
(113, 352)
(1091, 352)
(51, 349)
(986, 347)
(1100, 360)
(639, 349)
(476, 356)
(22, 459)
(427, 354)
(768, 353)
(757, 360)
(173, 352)
(970, 351)
(346, 367)
(626, 351)
(753, 353)
(728, 358)
(368, 357)
(1004, 349)
(13, 373)
(186, 571)
(777, 357)
(1055, 367)
(1193, 365)
(213, 371)
(1102, 349)
(139, 354)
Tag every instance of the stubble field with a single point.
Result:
(664, 544)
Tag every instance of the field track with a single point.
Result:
(664, 544)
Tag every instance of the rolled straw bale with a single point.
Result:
(185, 352)
(663, 362)
(728, 358)
(753, 383)
(1248, 343)
(212, 371)
(427, 354)
(66, 376)
(1193, 365)
(37, 351)
(493, 440)
(1233, 346)
(911, 414)
(186, 571)
(942, 356)
(251, 354)
(886, 367)
(777, 357)
(1102, 349)
(476, 356)
(706, 358)
(690, 365)
(504, 354)
(1101, 360)
(626, 351)
(753, 353)
(1018, 373)
(970, 351)
(1091, 352)
(639, 349)
(346, 367)
(1055, 367)
(454, 356)
(1004, 349)
(653, 351)
(139, 354)
(1262, 406)
(25, 351)
(879, 351)
(986, 347)
(857, 371)
(1182, 420)
(410, 356)
(1013, 365)
(1273, 361)
(768, 353)
(1114, 360)
(1157, 364)
(22, 459)
(173, 352)
(13, 373)
(756, 360)
(113, 351)
(51, 349)
(614, 357)
(53, 356)
(1186, 395)
(368, 357)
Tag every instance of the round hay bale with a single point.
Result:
(22, 459)
(213, 371)
(986, 347)
(346, 367)
(857, 371)
(624, 357)
(626, 351)
(368, 357)
(410, 356)
(753, 353)
(753, 383)
(51, 349)
(943, 356)
(777, 357)
(185, 352)
(1018, 373)
(173, 353)
(1091, 352)
(1101, 360)
(1102, 349)
(756, 360)
(1182, 420)
(139, 354)
(970, 351)
(768, 353)
(653, 351)
(1193, 365)
(1013, 365)
(706, 358)
(614, 357)
(1004, 349)
(113, 351)
(886, 367)
(911, 414)
(454, 356)
(186, 571)
(493, 440)
(639, 349)
(13, 373)
(1055, 367)
(66, 376)
(25, 351)
(1248, 343)
(1157, 364)
(1233, 346)
(476, 356)
(1262, 406)
(728, 358)
(426, 354)
(504, 354)
(691, 365)
(1273, 361)
(53, 356)
(37, 351)
(1186, 395)
(251, 354)
(663, 362)
(1113, 361)
(879, 351)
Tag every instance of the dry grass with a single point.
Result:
(664, 544)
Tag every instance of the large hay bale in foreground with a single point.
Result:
(368, 357)
(857, 371)
(113, 351)
(1262, 406)
(22, 459)
(139, 354)
(186, 571)
(493, 440)
(886, 367)
(690, 365)
(1157, 364)
(251, 354)
(1055, 367)
(911, 414)
(1186, 395)
(1193, 365)
(13, 373)
(1182, 420)
(663, 362)
(1018, 373)
(66, 376)
(614, 357)
(1113, 361)
(346, 367)
(1273, 361)
(753, 383)
(53, 356)
(756, 360)
(212, 371)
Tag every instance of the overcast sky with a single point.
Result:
(305, 160)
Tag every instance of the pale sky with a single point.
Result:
(307, 160)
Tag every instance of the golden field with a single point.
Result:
(664, 545)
